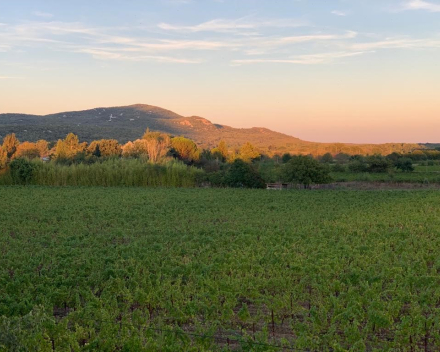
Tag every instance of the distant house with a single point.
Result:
(277, 186)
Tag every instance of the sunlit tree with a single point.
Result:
(10, 144)
(185, 149)
(248, 152)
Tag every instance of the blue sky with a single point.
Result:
(335, 70)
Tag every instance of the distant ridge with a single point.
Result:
(126, 123)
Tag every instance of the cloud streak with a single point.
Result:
(340, 13)
(421, 5)
(228, 26)
(311, 59)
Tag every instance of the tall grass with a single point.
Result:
(113, 172)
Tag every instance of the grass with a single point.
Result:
(410, 177)
(138, 269)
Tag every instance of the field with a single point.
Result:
(396, 177)
(148, 269)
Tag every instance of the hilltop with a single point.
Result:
(126, 123)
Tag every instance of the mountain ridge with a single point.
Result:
(126, 123)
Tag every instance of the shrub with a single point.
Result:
(22, 171)
(404, 164)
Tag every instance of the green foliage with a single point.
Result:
(241, 174)
(286, 157)
(404, 164)
(358, 166)
(22, 171)
(378, 163)
(306, 171)
(327, 158)
(338, 168)
(124, 269)
(185, 149)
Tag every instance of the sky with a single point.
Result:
(355, 71)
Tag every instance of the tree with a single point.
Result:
(105, 148)
(342, 158)
(185, 149)
(286, 157)
(69, 147)
(157, 145)
(327, 158)
(393, 157)
(10, 144)
(358, 165)
(27, 150)
(43, 147)
(221, 152)
(378, 163)
(93, 149)
(3, 158)
(242, 174)
(248, 152)
(404, 164)
(306, 171)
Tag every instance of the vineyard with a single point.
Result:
(153, 269)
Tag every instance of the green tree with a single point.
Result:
(404, 164)
(10, 144)
(378, 163)
(358, 166)
(306, 171)
(242, 174)
(286, 157)
(327, 158)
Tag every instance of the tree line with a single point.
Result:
(68, 162)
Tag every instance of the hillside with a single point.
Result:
(129, 122)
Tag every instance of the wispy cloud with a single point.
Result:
(398, 43)
(108, 55)
(340, 13)
(43, 14)
(314, 37)
(225, 26)
(421, 5)
(311, 59)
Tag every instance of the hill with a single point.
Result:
(129, 122)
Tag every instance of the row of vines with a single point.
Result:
(135, 269)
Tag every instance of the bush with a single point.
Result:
(22, 171)
(378, 164)
(404, 164)
(338, 168)
(358, 166)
